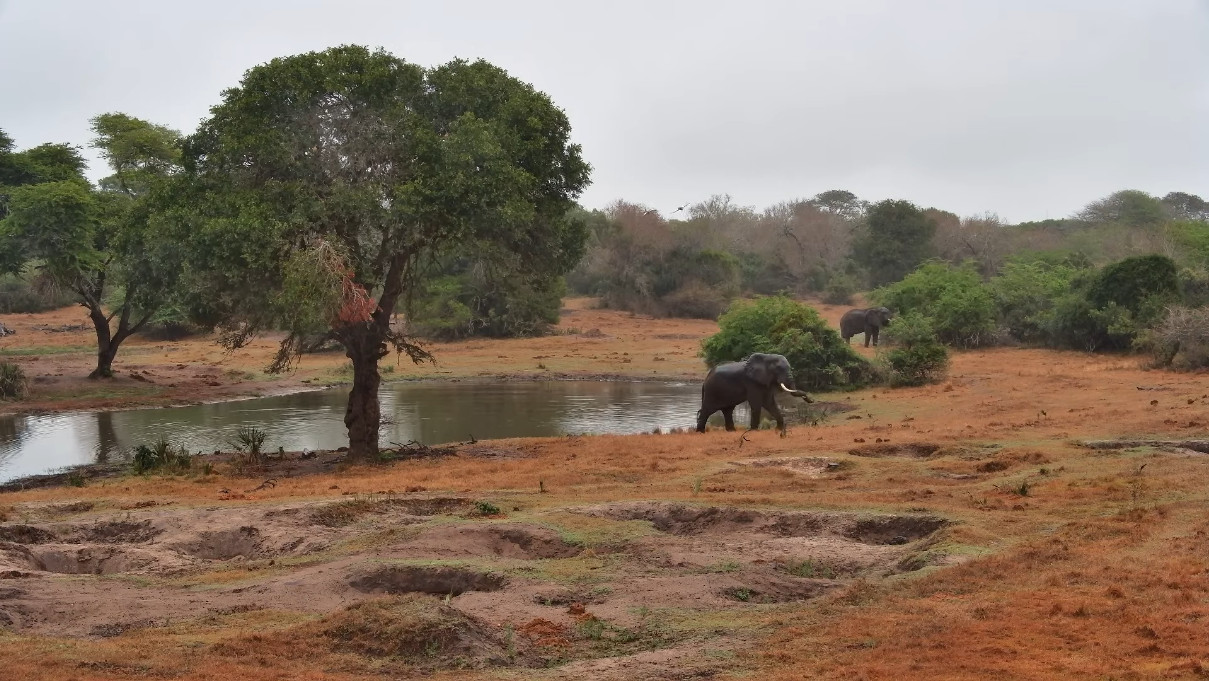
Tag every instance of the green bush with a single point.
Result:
(918, 357)
(13, 383)
(1026, 293)
(777, 324)
(959, 306)
(161, 456)
(695, 300)
(1111, 309)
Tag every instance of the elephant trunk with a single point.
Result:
(797, 393)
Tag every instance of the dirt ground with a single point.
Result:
(978, 528)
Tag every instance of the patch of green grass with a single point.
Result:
(46, 350)
(809, 568)
(723, 567)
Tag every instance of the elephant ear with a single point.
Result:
(757, 370)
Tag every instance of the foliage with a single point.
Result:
(487, 294)
(95, 243)
(780, 325)
(1181, 340)
(23, 293)
(954, 299)
(896, 239)
(161, 456)
(1128, 207)
(396, 167)
(840, 289)
(918, 357)
(1025, 293)
(1138, 284)
(249, 440)
(13, 383)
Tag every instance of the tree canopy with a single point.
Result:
(92, 243)
(896, 239)
(322, 189)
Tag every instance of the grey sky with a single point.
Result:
(1030, 109)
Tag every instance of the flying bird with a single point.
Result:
(680, 208)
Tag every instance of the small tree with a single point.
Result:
(777, 324)
(954, 299)
(97, 243)
(918, 357)
(376, 168)
(896, 239)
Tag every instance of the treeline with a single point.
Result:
(835, 244)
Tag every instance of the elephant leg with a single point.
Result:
(868, 336)
(729, 415)
(875, 332)
(702, 417)
(770, 403)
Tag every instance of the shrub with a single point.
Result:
(19, 294)
(1181, 340)
(161, 456)
(13, 383)
(840, 289)
(918, 357)
(955, 300)
(1111, 309)
(695, 300)
(1141, 285)
(1026, 293)
(250, 441)
(777, 324)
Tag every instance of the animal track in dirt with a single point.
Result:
(507, 540)
(918, 450)
(442, 580)
(683, 519)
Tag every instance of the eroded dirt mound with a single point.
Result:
(25, 534)
(893, 529)
(347, 511)
(414, 630)
(774, 588)
(74, 560)
(511, 540)
(225, 544)
(439, 580)
(117, 531)
(919, 450)
(683, 519)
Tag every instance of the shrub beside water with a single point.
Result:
(777, 324)
(955, 299)
(13, 383)
(161, 456)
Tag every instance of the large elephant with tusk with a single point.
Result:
(756, 380)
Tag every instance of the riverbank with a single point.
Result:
(955, 531)
(57, 351)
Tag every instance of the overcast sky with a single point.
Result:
(1029, 109)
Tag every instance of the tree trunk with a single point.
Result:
(363, 414)
(106, 348)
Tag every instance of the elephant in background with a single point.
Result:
(756, 380)
(868, 321)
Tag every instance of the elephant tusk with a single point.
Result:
(787, 389)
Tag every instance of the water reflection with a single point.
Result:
(431, 413)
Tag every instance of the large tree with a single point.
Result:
(897, 237)
(325, 183)
(95, 243)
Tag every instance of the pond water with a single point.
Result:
(431, 413)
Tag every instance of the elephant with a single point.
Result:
(868, 321)
(755, 380)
